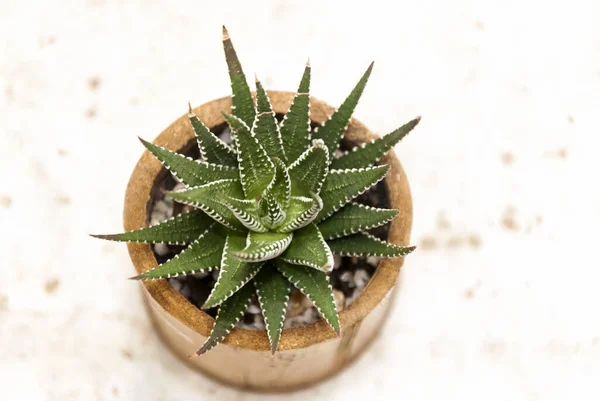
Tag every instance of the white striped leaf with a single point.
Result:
(363, 244)
(273, 291)
(315, 285)
(234, 272)
(308, 248)
(230, 312)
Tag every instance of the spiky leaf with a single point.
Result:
(234, 272)
(246, 211)
(228, 315)
(212, 148)
(190, 172)
(333, 130)
(242, 102)
(369, 153)
(271, 211)
(341, 186)
(295, 127)
(181, 229)
(276, 199)
(309, 171)
(263, 246)
(256, 168)
(204, 254)
(265, 126)
(315, 285)
(354, 218)
(280, 188)
(308, 248)
(363, 244)
(209, 197)
(301, 212)
(273, 291)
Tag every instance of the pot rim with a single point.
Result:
(177, 136)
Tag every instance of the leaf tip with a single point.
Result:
(137, 278)
(190, 113)
(200, 352)
(208, 304)
(308, 62)
(256, 79)
(371, 66)
(110, 237)
(225, 34)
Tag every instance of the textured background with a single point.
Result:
(500, 302)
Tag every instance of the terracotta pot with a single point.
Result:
(306, 354)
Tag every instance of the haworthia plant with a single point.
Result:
(270, 211)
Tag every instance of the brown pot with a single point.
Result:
(306, 354)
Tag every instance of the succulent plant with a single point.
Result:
(272, 209)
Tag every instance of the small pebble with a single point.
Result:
(373, 261)
(361, 278)
(348, 277)
(161, 249)
(258, 322)
(226, 136)
(178, 187)
(186, 291)
(337, 261)
(307, 316)
(161, 207)
(175, 284)
(253, 309)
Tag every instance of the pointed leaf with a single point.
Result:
(234, 272)
(309, 171)
(273, 291)
(333, 130)
(204, 254)
(315, 285)
(265, 128)
(280, 188)
(212, 148)
(276, 199)
(354, 218)
(189, 171)
(247, 212)
(209, 197)
(301, 212)
(341, 186)
(256, 169)
(242, 103)
(309, 248)
(181, 229)
(263, 246)
(364, 244)
(230, 312)
(272, 214)
(295, 127)
(369, 153)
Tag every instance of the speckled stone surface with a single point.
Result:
(500, 300)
